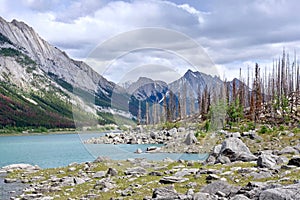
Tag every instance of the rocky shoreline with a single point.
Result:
(231, 172)
(173, 141)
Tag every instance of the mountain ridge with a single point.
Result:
(39, 68)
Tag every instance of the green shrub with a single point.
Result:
(264, 130)
(207, 126)
(251, 126)
(170, 125)
(281, 128)
(296, 130)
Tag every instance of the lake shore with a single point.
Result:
(175, 140)
(57, 133)
(236, 169)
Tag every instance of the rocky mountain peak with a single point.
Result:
(51, 59)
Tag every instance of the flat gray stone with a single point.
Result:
(290, 192)
(172, 179)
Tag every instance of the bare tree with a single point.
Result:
(179, 105)
(147, 113)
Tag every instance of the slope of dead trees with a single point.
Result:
(271, 96)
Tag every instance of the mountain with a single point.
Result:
(190, 84)
(40, 85)
(188, 88)
(146, 89)
(38, 77)
(194, 82)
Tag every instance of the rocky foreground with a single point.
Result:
(231, 172)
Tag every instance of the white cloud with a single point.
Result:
(231, 31)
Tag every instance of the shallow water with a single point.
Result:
(56, 150)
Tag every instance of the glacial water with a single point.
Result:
(56, 150)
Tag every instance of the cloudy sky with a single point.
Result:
(121, 39)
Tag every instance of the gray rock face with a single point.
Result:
(78, 181)
(138, 151)
(236, 150)
(210, 160)
(100, 159)
(204, 196)
(112, 172)
(220, 186)
(288, 150)
(148, 89)
(216, 150)
(135, 171)
(240, 197)
(165, 193)
(10, 180)
(235, 135)
(51, 59)
(290, 192)
(21, 166)
(105, 184)
(223, 160)
(190, 139)
(261, 174)
(99, 174)
(266, 160)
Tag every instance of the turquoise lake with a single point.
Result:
(57, 150)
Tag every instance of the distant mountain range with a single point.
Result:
(40, 85)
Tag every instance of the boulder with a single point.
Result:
(236, 150)
(135, 171)
(100, 159)
(172, 132)
(112, 172)
(190, 139)
(266, 160)
(216, 150)
(212, 177)
(297, 147)
(155, 173)
(220, 186)
(260, 174)
(152, 149)
(288, 150)
(153, 135)
(165, 193)
(181, 129)
(240, 197)
(286, 192)
(105, 184)
(210, 160)
(223, 160)
(21, 166)
(235, 135)
(10, 180)
(204, 196)
(99, 174)
(138, 151)
(78, 181)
